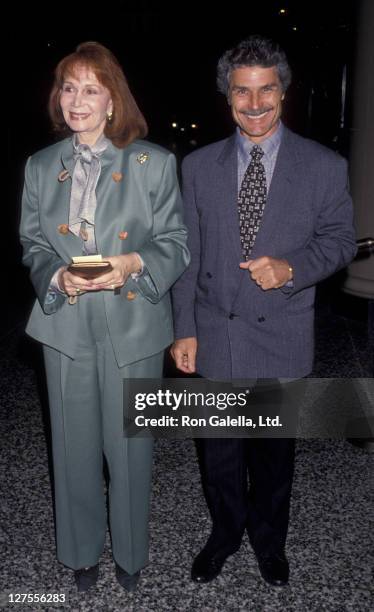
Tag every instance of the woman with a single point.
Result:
(100, 191)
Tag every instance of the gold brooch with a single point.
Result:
(142, 158)
(117, 176)
(63, 228)
(64, 174)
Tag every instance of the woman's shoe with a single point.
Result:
(127, 581)
(86, 577)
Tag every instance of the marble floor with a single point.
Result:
(331, 536)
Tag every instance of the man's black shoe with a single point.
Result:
(274, 568)
(206, 566)
(86, 577)
(127, 581)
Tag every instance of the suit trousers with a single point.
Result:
(87, 414)
(262, 508)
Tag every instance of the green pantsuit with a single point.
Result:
(86, 407)
(91, 346)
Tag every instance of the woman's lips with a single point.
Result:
(78, 116)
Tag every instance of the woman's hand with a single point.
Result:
(72, 284)
(123, 266)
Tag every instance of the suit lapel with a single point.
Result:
(58, 202)
(67, 157)
(227, 167)
(279, 194)
(114, 202)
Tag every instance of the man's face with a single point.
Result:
(255, 97)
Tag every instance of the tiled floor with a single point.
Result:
(331, 536)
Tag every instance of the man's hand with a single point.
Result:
(268, 272)
(183, 352)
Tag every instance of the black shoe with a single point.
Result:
(207, 566)
(127, 581)
(86, 577)
(274, 568)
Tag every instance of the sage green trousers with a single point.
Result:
(86, 408)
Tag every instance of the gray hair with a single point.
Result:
(254, 51)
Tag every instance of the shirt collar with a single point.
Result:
(269, 146)
(98, 148)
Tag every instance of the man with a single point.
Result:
(269, 216)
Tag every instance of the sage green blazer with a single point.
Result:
(138, 209)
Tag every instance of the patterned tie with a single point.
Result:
(251, 201)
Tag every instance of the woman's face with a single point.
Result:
(85, 104)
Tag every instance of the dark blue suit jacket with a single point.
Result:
(243, 331)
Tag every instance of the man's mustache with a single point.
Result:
(255, 113)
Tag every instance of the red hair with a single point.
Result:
(127, 122)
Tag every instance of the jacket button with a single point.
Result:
(209, 275)
(63, 228)
(117, 176)
(232, 316)
(131, 295)
(261, 319)
(64, 174)
(123, 235)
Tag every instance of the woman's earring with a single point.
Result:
(109, 116)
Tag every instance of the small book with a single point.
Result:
(89, 266)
